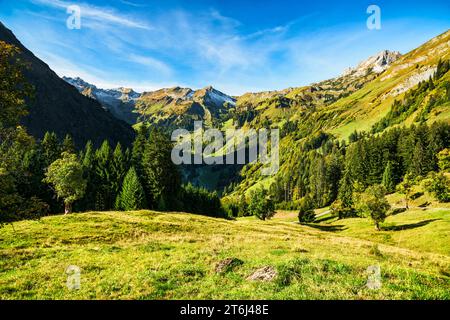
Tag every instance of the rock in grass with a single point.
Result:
(228, 265)
(266, 273)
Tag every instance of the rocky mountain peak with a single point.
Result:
(376, 63)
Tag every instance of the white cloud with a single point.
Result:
(100, 14)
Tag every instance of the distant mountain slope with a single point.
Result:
(364, 108)
(59, 107)
(405, 90)
(295, 104)
(167, 107)
(180, 107)
(120, 102)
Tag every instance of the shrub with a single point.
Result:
(439, 186)
(261, 205)
(306, 213)
(339, 210)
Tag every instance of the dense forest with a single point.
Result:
(330, 172)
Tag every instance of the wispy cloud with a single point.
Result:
(151, 63)
(100, 14)
(194, 45)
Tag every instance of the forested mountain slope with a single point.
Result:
(59, 107)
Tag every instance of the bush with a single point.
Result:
(439, 186)
(261, 205)
(306, 213)
(339, 210)
(13, 207)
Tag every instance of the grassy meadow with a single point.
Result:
(152, 255)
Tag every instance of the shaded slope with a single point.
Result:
(59, 107)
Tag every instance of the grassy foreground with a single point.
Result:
(151, 255)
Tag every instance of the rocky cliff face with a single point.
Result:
(120, 102)
(377, 63)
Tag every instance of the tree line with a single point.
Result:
(38, 177)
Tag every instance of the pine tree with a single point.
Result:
(346, 190)
(88, 156)
(119, 168)
(334, 172)
(356, 161)
(68, 144)
(444, 160)
(103, 198)
(388, 178)
(50, 148)
(318, 182)
(132, 195)
(88, 162)
(161, 176)
(419, 161)
(139, 147)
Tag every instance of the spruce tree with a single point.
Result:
(50, 148)
(68, 144)
(388, 178)
(132, 195)
(419, 161)
(103, 198)
(346, 190)
(88, 163)
(139, 147)
(119, 168)
(161, 176)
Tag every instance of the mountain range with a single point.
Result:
(373, 96)
(59, 107)
(165, 107)
(179, 107)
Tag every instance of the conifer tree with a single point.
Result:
(419, 161)
(103, 176)
(161, 176)
(346, 190)
(132, 195)
(88, 163)
(444, 160)
(68, 144)
(50, 148)
(119, 168)
(388, 178)
(139, 147)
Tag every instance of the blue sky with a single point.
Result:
(236, 46)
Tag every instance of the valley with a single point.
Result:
(358, 207)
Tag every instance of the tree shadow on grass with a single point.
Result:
(318, 220)
(409, 226)
(328, 228)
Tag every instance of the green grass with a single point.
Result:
(150, 255)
